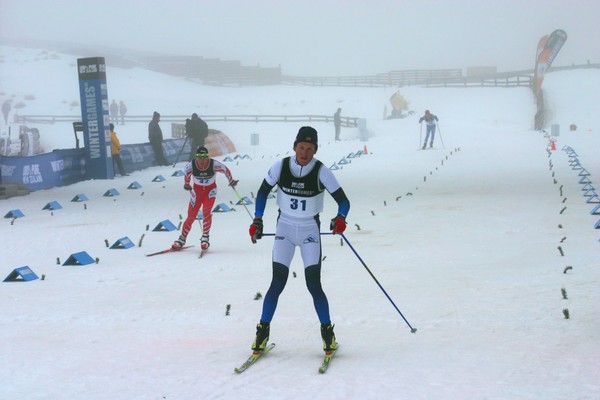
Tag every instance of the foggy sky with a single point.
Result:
(327, 37)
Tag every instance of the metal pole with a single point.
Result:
(412, 330)
(180, 151)
(440, 132)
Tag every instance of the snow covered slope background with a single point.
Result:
(464, 238)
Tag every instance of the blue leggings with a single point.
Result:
(430, 130)
(312, 275)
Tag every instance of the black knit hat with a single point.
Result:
(202, 152)
(307, 134)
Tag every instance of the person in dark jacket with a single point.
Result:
(197, 131)
(155, 137)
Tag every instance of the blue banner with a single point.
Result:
(94, 113)
(65, 167)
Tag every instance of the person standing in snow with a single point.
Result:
(115, 146)
(122, 111)
(200, 180)
(430, 121)
(114, 111)
(337, 122)
(6, 107)
(302, 180)
(155, 137)
(197, 131)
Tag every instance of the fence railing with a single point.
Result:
(392, 78)
(51, 119)
(489, 81)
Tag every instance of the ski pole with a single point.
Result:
(440, 132)
(180, 151)
(242, 201)
(412, 330)
(420, 133)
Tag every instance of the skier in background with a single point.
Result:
(200, 179)
(302, 180)
(430, 120)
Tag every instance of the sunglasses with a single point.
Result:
(202, 155)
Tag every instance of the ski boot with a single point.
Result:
(424, 146)
(178, 244)
(329, 343)
(204, 244)
(431, 145)
(262, 337)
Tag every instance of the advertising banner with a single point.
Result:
(94, 113)
(548, 48)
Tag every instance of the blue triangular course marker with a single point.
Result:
(593, 199)
(227, 159)
(343, 161)
(200, 216)
(81, 258)
(577, 166)
(237, 156)
(590, 192)
(271, 196)
(134, 185)
(123, 243)
(79, 197)
(53, 205)
(351, 155)
(584, 172)
(22, 274)
(246, 157)
(588, 186)
(334, 166)
(178, 173)
(222, 207)
(158, 178)
(244, 201)
(595, 210)
(585, 179)
(597, 225)
(16, 213)
(111, 193)
(360, 153)
(165, 225)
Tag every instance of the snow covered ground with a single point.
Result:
(464, 238)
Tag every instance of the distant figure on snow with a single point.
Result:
(337, 122)
(197, 131)
(430, 120)
(122, 111)
(114, 111)
(155, 137)
(6, 109)
(115, 147)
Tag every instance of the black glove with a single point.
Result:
(338, 224)
(233, 183)
(187, 187)
(256, 229)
